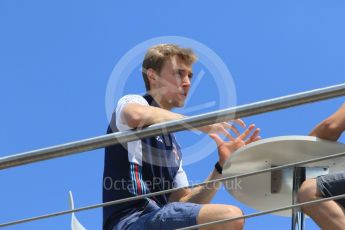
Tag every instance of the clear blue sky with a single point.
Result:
(56, 58)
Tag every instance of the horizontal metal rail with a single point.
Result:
(171, 190)
(265, 212)
(173, 126)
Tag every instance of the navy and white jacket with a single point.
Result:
(138, 167)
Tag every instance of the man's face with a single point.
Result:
(173, 83)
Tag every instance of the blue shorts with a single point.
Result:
(170, 216)
(332, 185)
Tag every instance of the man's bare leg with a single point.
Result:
(213, 212)
(328, 215)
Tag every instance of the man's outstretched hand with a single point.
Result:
(226, 148)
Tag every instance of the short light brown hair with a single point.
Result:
(157, 55)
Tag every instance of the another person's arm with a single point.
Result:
(332, 127)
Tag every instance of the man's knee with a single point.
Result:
(214, 212)
(308, 192)
(230, 212)
(234, 212)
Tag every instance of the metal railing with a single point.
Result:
(173, 126)
(130, 199)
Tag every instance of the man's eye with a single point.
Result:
(182, 73)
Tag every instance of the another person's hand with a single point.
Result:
(226, 148)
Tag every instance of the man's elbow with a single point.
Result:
(331, 128)
(134, 116)
(133, 120)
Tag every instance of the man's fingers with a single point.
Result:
(251, 141)
(228, 135)
(254, 136)
(233, 128)
(240, 122)
(246, 133)
(216, 138)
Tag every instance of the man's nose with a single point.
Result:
(186, 81)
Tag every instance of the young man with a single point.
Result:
(330, 214)
(155, 164)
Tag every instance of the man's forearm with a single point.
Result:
(204, 194)
(332, 127)
(338, 120)
(138, 116)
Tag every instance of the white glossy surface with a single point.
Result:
(255, 191)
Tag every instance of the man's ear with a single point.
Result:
(151, 75)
